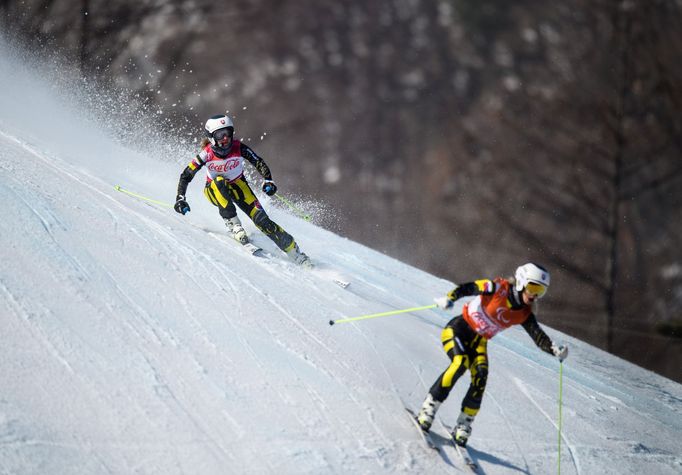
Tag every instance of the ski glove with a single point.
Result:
(269, 187)
(560, 351)
(181, 205)
(444, 303)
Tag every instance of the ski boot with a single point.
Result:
(462, 431)
(427, 412)
(299, 257)
(234, 227)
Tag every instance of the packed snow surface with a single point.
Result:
(137, 340)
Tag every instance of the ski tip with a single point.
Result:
(331, 322)
(117, 188)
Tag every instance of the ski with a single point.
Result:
(465, 457)
(249, 247)
(258, 251)
(425, 436)
(341, 283)
(326, 272)
(253, 249)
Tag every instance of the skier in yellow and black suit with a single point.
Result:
(226, 186)
(499, 304)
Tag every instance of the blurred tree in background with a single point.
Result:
(464, 137)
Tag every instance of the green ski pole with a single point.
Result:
(144, 198)
(298, 211)
(382, 314)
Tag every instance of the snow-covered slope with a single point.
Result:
(133, 341)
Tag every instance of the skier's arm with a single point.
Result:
(257, 162)
(181, 205)
(188, 173)
(478, 287)
(538, 335)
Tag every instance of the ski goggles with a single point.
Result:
(536, 290)
(220, 134)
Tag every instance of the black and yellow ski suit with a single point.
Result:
(227, 186)
(467, 348)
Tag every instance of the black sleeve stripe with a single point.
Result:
(537, 334)
(258, 163)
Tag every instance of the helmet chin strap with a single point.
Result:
(517, 297)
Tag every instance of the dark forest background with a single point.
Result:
(464, 137)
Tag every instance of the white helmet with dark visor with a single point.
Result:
(532, 278)
(219, 130)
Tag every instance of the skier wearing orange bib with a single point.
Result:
(498, 304)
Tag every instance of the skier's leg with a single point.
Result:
(474, 396)
(441, 388)
(274, 231)
(247, 201)
(217, 192)
(479, 377)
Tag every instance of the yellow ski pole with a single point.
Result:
(127, 192)
(382, 314)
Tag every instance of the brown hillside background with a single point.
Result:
(463, 137)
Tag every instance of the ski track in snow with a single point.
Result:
(524, 389)
(82, 274)
(146, 321)
(275, 339)
(606, 387)
(213, 269)
(510, 428)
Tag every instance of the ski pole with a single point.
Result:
(382, 314)
(298, 211)
(561, 378)
(160, 203)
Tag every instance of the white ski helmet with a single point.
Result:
(528, 273)
(215, 123)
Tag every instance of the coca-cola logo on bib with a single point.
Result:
(223, 167)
